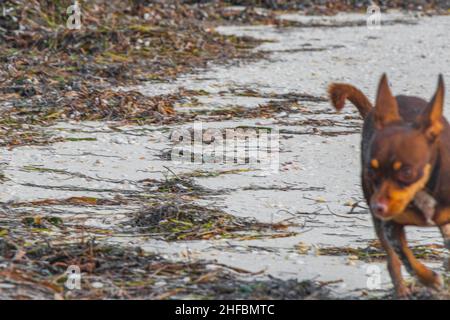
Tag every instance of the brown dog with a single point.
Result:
(405, 162)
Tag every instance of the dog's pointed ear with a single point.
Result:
(431, 120)
(386, 108)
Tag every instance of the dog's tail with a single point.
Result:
(339, 92)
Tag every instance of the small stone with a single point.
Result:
(97, 285)
(160, 283)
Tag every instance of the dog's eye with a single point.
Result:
(406, 175)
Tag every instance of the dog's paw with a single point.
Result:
(433, 281)
(403, 292)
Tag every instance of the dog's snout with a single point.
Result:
(379, 208)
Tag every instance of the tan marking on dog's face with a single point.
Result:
(374, 163)
(397, 165)
(399, 197)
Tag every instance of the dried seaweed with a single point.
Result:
(374, 252)
(52, 73)
(188, 221)
(111, 272)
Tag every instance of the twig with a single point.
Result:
(342, 216)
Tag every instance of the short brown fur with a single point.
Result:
(405, 149)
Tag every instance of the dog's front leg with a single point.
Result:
(445, 230)
(395, 234)
(442, 219)
(393, 262)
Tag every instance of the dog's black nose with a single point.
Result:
(379, 208)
